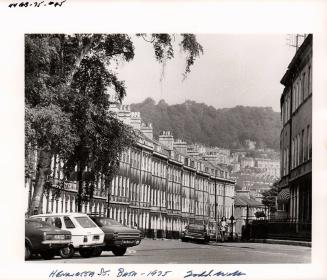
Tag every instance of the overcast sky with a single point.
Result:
(240, 69)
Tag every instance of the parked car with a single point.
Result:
(86, 235)
(195, 232)
(117, 236)
(43, 239)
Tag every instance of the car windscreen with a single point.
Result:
(108, 222)
(85, 222)
(37, 224)
(196, 227)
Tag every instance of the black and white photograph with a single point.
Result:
(211, 179)
(166, 151)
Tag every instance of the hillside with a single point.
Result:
(200, 123)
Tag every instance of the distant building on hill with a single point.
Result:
(247, 162)
(270, 167)
(249, 144)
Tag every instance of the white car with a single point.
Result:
(86, 235)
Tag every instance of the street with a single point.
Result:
(177, 252)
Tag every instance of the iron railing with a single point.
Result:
(290, 229)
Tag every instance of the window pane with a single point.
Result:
(58, 223)
(85, 222)
(68, 222)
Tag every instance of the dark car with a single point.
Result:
(195, 232)
(117, 236)
(44, 239)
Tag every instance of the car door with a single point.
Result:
(68, 224)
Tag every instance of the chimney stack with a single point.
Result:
(136, 120)
(167, 139)
(147, 130)
(181, 146)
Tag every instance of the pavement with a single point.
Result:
(171, 251)
(284, 242)
(272, 241)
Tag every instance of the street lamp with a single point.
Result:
(232, 221)
(216, 220)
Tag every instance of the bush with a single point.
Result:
(260, 214)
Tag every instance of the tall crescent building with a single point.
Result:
(295, 196)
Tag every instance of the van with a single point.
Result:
(86, 235)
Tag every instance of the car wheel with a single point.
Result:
(86, 253)
(47, 255)
(67, 252)
(27, 252)
(97, 252)
(119, 251)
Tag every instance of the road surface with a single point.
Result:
(177, 252)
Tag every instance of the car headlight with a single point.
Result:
(115, 234)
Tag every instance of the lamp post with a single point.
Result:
(216, 222)
(232, 222)
(108, 204)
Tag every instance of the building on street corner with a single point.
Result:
(246, 208)
(295, 196)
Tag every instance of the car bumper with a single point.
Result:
(48, 245)
(193, 237)
(91, 245)
(123, 243)
(55, 242)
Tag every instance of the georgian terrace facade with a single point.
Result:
(295, 198)
(158, 188)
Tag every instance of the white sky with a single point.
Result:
(235, 69)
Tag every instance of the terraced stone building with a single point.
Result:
(295, 197)
(159, 188)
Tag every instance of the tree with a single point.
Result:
(196, 122)
(66, 107)
(102, 136)
(260, 214)
(45, 121)
(269, 198)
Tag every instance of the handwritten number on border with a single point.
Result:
(36, 4)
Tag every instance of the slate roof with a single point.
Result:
(242, 200)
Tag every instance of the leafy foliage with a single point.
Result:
(200, 123)
(269, 198)
(193, 50)
(67, 83)
(260, 214)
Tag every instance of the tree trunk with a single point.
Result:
(43, 168)
(79, 180)
(83, 52)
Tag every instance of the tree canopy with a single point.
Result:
(69, 82)
(269, 198)
(201, 123)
